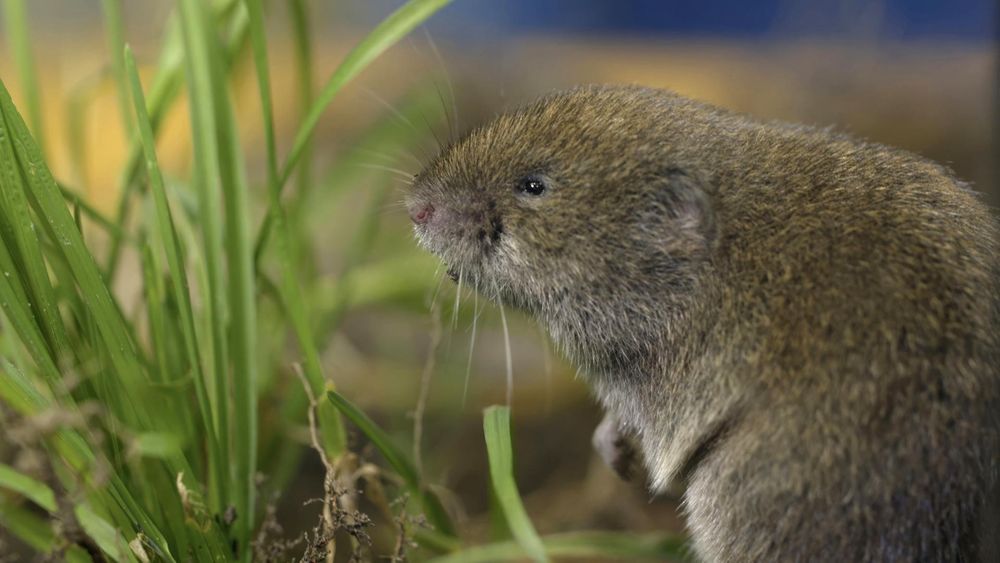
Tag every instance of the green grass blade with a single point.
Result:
(381, 283)
(24, 247)
(436, 542)
(105, 535)
(258, 41)
(220, 156)
(390, 133)
(156, 444)
(398, 460)
(385, 35)
(298, 12)
(21, 394)
(333, 312)
(155, 295)
(13, 275)
(24, 524)
(496, 427)
(16, 20)
(92, 213)
(290, 289)
(162, 94)
(205, 179)
(60, 226)
(77, 103)
(166, 86)
(47, 200)
(36, 532)
(15, 306)
(218, 460)
(116, 48)
(242, 306)
(35, 491)
(391, 30)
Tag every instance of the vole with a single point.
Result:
(799, 325)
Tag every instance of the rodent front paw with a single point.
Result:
(614, 447)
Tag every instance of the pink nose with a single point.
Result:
(422, 213)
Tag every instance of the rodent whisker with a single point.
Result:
(472, 345)
(458, 299)
(391, 208)
(506, 345)
(425, 385)
(437, 288)
(453, 118)
(392, 158)
(423, 117)
(392, 109)
(402, 174)
(399, 117)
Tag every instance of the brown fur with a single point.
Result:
(800, 325)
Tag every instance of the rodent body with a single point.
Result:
(801, 326)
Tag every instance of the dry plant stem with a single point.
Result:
(268, 545)
(339, 485)
(371, 474)
(425, 385)
(331, 472)
(403, 541)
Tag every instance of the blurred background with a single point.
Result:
(917, 74)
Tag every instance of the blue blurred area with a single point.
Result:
(964, 20)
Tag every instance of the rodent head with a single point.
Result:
(571, 207)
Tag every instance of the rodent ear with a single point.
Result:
(687, 206)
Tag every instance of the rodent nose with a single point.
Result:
(421, 214)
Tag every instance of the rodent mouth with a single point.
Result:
(466, 256)
(469, 247)
(486, 278)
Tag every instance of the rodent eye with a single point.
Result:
(532, 185)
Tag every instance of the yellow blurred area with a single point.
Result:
(84, 90)
(930, 98)
(76, 83)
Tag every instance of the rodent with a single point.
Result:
(799, 325)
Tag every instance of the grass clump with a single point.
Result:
(136, 430)
(166, 465)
